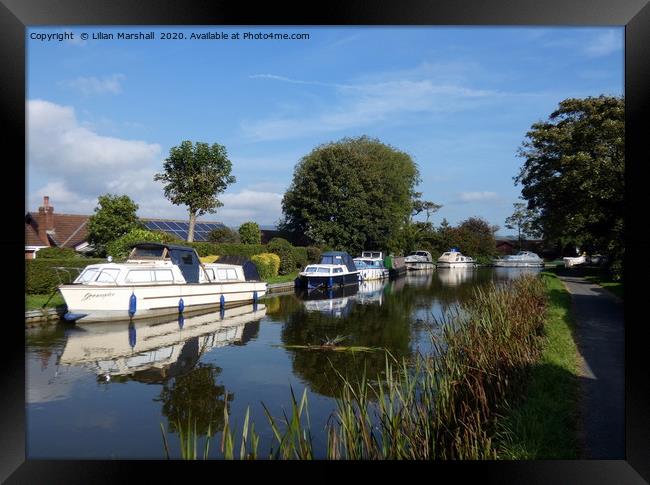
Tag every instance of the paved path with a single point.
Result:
(601, 343)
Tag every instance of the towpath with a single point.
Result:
(601, 342)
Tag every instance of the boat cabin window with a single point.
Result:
(147, 253)
(108, 276)
(311, 269)
(227, 274)
(331, 260)
(323, 270)
(139, 276)
(164, 275)
(187, 258)
(88, 275)
(338, 270)
(210, 273)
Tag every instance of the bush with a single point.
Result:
(267, 265)
(284, 249)
(246, 250)
(313, 254)
(301, 257)
(57, 253)
(223, 235)
(211, 258)
(249, 233)
(42, 278)
(120, 247)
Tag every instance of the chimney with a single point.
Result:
(45, 220)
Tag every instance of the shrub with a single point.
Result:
(249, 233)
(284, 249)
(267, 265)
(223, 235)
(120, 247)
(313, 254)
(246, 250)
(57, 253)
(211, 258)
(41, 277)
(300, 256)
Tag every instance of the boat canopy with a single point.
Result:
(182, 256)
(250, 270)
(338, 257)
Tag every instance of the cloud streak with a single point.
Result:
(92, 85)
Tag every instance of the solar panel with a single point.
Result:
(182, 235)
(151, 225)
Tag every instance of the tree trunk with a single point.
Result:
(519, 229)
(190, 231)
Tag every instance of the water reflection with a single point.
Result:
(334, 302)
(502, 274)
(455, 276)
(154, 352)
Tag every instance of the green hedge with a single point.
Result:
(267, 265)
(57, 253)
(41, 277)
(227, 249)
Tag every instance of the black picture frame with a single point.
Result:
(16, 15)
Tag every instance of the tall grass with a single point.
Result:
(443, 405)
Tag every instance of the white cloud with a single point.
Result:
(250, 205)
(92, 85)
(476, 196)
(368, 103)
(604, 44)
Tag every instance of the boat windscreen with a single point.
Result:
(147, 253)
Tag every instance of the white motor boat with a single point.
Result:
(569, 262)
(419, 260)
(336, 268)
(454, 259)
(523, 259)
(158, 279)
(371, 266)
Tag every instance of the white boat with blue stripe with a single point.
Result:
(336, 268)
(159, 279)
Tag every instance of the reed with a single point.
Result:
(443, 405)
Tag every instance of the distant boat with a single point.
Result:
(569, 262)
(336, 268)
(419, 260)
(371, 266)
(158, 279)
(454, 259)
(523, 259)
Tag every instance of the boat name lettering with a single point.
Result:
(88, 296)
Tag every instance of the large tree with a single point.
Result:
(573, 174)
(353, 194)
(194, 175)
(115, 215)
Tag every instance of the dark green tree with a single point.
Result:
(249, 233)
(223, 235)
(352, 194)
(114, 216)
(194, 175)
(573, 174)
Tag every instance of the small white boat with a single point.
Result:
(454, 259)
(523, 259)
(336, 268)
(569, 262)
(371, 266)
(419, 260)
(158, 279)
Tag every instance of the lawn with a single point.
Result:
(283, 278)
(543, 425)
(36, 302)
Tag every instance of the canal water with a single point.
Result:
(102, 391)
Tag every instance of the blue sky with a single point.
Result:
(103, 114)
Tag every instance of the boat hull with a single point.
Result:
(518, 264)
(327, 281)
(420, 265)
(90, 303)
(373, 274)
(456, 264)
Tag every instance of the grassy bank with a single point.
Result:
(282, 278)
(36, 302)
(543, 424)
(445, 405)
(616, 287)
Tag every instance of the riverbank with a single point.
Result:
(543, 425)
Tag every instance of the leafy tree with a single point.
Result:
(114, 216)
(249, 233)
(223, 234)
(573, 174)
(523, 220)
(121, 247)
(352, 194)
(194, 175)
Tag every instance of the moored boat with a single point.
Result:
(371, 266)
(419, 260)
(523, 259)
(569, 262)
(336, 268)
(454, 259)
(157, 279)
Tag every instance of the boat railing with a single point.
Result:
(66, 270)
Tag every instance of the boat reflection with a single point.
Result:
(336, 302)
(372, 292)
(153, 352)
(454, 276)
(421, 279)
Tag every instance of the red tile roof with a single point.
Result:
(69, 230)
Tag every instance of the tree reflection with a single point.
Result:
(195, 397)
